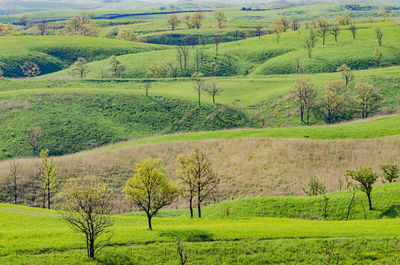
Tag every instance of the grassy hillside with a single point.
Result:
(265, 57)
(54, 53)
(249, 165)
(385, 199)
(45, 237)
(74, 122)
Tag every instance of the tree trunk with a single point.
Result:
(149, 221)
(369, 201)
(199, 209)
(15, 191)
(91, 247)
(44, 199)
(191, 207)
(199, 96)
(48, 196)
(213, 99)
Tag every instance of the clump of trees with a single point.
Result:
(197, 178)
(126, 34)
(8, 30)
(82, 25)
(336, 103)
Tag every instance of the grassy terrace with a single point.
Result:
(382, 127)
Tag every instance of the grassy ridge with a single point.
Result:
(265, 57)
(54, 53)
(382, 127)
(75, 122)
(385, 199)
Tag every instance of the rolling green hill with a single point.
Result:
(71, 122)
(385, 199)
(265, 57)
(54, 53)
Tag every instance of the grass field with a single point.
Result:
(52, 240)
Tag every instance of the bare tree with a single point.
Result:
(217, 39)
(295, 24)
(204, 179)
(198, 84)
(197, 19)
(173, 21)
(183, 53)
(147, 86)
(13, 176)
(304, 95)
(335, 30)
(213, 89)
(220, 17)
(48, 176)
(181, 252)
(185, 175)
(259, 29)
(34, 137)
(86, 204)
(347, 73)
(353, 30)
(43, 27)
(379, 36)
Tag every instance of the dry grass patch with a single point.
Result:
(248, 167)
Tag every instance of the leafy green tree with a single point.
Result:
(304, 95)
(86, 204)
(390, 172)
(199, 83)
(48, 176)
(378, 57)
(220, 17)
(343, 20)
(379, 36)
(159, 70)
(347, 73)
(82, 25)
(173, 21)
(333, 103)
(366, 177)
(126, 34)
(116, 67)
(30, 69)
(79, 68)
(149, 189)
(1, 73)
(315, 187)
(367, 99)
